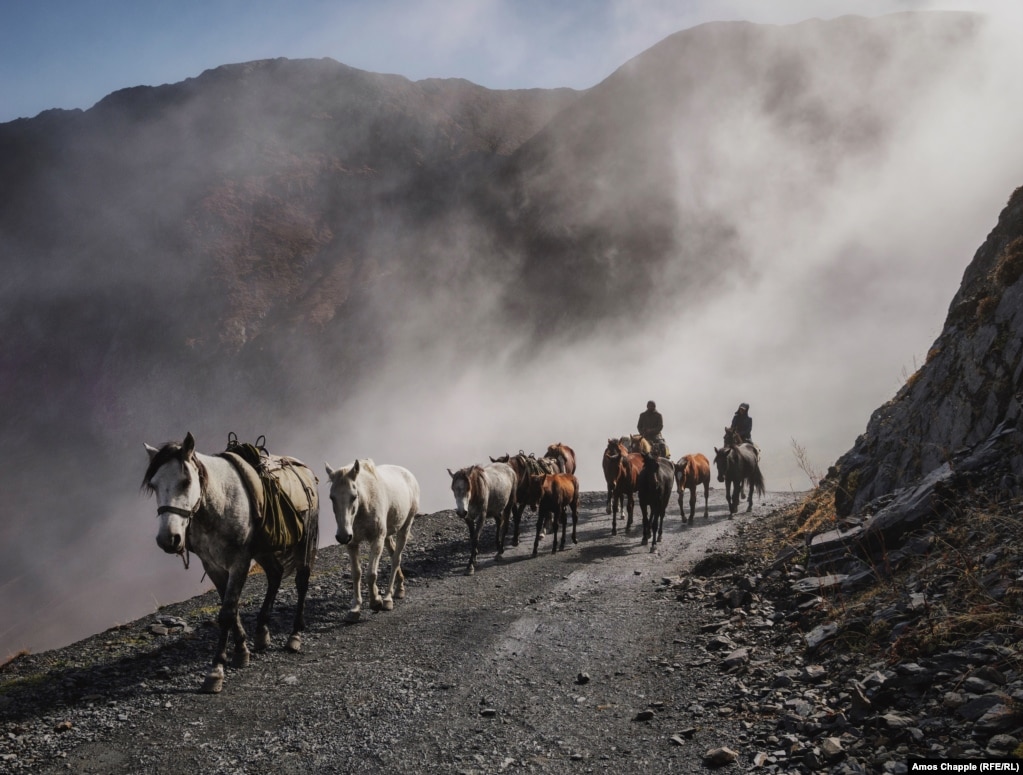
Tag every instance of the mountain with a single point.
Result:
(968, 391)
(313, 252)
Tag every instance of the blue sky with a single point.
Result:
(72, 53)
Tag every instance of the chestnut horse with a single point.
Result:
(563, 455)
(625, 468)
(557, 493)
(690, 472)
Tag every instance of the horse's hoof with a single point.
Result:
(498, 558)
(575, 540)
(294, 644)
(400, 594)
(353, 616)
(262, 641)
(388, 605)
(470, 571)
(213, 684)
(240, 660)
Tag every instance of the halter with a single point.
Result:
(187, 514)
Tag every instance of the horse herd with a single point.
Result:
(207, 506)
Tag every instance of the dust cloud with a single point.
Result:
(848, 266)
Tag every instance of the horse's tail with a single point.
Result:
(757, 480)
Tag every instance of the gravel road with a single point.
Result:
(583, 661)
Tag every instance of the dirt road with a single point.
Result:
(582, 661)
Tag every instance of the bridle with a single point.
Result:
(188, 514)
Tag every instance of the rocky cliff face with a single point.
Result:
(970, 385)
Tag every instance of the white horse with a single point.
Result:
(479, 492)
(376, 505)
(205, 508)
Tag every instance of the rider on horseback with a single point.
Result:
(650, 426)
(742, 423)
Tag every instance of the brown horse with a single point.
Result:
(609, 463)
(626, 468)
(525, 466)
(557, 493)
(563, 455)
(691, 471)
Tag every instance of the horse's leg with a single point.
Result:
(517, 516)
(575, 519)
(610, 495)
(563, 518)
(355, 609)
(749, 503)
(302, 585)
(502, 529)
(474, 541)
(616, 500)
(631, 503)
(274, 573)
(692, 503)
(396, 544)
(706, 495)
(540, 519)
(376, 549)
(399, 577)
(229, 621)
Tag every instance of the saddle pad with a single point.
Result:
(294, 484)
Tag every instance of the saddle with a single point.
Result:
(282, 490)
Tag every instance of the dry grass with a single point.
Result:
(967, 579)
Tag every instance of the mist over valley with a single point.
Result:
(429, 273)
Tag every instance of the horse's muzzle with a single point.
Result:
(344, 540)
(170, 543)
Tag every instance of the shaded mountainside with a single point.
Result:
(968, 389)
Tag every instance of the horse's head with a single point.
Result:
(460, 489)
(176, 478)
(721, 462)
(345, 498)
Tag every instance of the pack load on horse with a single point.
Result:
(376, 505)
(563, 455)
(231, 509)
(525, 466)
(650, 427)
(482, 491)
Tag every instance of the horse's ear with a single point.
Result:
(330, 471)
(151, 450)
(492, 460)
(188, 445)
(451, 474)
(353, 472)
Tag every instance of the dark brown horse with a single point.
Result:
(525, 466)
(690, 472)
(609, 463)
(563, 455)
(654, 485)
(739, 465)
(557, 493)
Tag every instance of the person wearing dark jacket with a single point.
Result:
(742, 423)
(650, 423)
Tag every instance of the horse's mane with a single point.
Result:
(169, 450)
